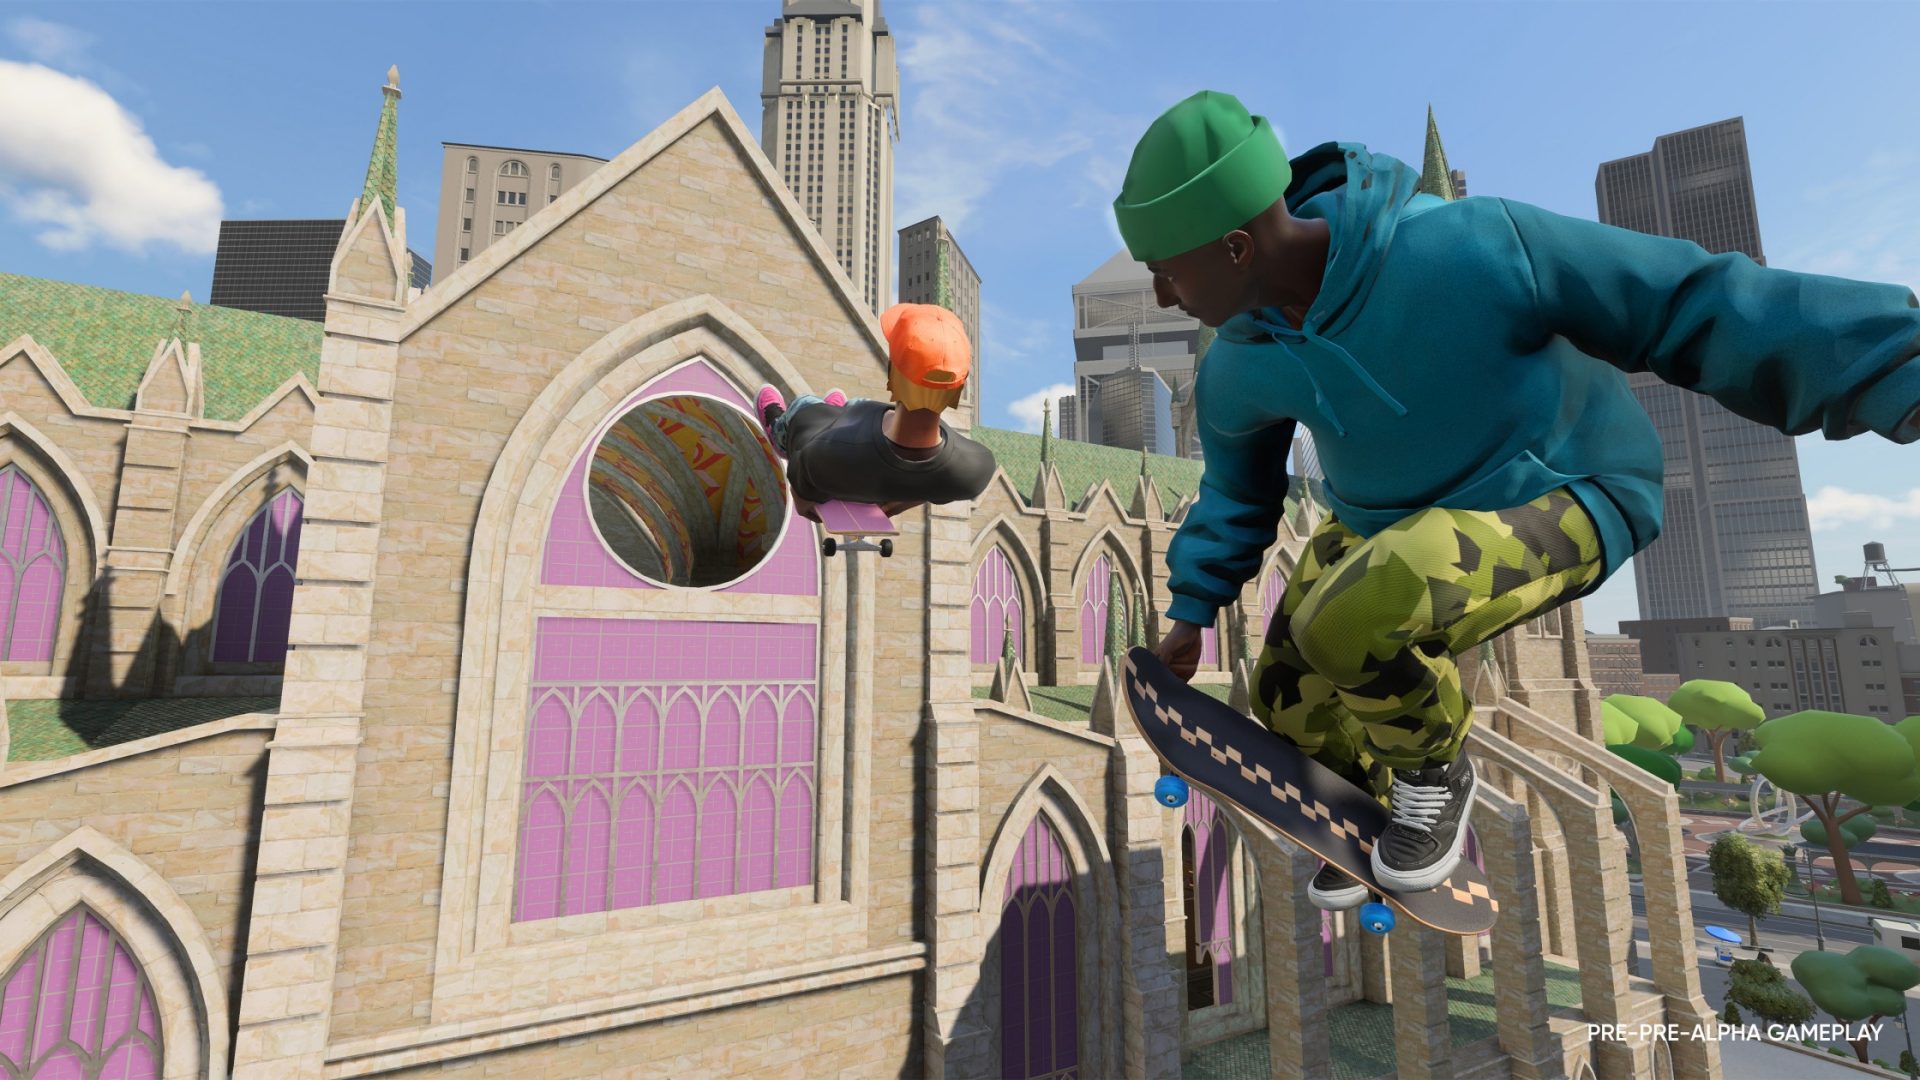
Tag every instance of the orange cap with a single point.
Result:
(927, 344)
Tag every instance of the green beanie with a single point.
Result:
(1204, 169)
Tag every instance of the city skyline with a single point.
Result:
(1014, 130)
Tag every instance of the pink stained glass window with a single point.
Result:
(996, 608)
(76, 1004)
(666, 761)
(1209, 877)
(1039, 962)
(1093, 611)
(33, 570)
(256, 591)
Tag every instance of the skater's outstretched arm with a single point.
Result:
(1797, 352)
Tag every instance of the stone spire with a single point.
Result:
(1046, 433)
(182, 308)
(1435, 179)
(383, 166)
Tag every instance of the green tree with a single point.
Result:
(1759, 988)
(1730, 1017)
(1747, 879)
(1718, 709)
(1862, 986)
(1878, 896)
(1825, 757)
(1654, 723)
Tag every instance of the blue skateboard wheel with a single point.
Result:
(1376, 918)
(1170, 791)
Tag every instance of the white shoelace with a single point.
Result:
(1418, 806)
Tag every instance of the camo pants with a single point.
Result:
(1358, 665)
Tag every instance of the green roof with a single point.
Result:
(1083, 464)
(105, 339)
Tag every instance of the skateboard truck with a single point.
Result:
(853, 525)
(833, 544)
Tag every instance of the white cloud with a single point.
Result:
(50, 43)
(1836, 507)
(1027, 410)
(76, 162)
(985, 99)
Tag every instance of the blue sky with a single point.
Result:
(128, 130)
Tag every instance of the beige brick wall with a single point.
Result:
(463, 382)
(855, 1031)
(189, 811)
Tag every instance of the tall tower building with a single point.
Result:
(1117, 324)
(933, 270)
(830, 91)
(487, 192)
(1736, 540)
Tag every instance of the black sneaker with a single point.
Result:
(1332, 890)
(1422, 844)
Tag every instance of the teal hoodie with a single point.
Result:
(1473, 355)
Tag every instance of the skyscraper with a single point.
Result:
(1116, 323)
(281, 267)
(1736, 540)
(487, 192)
(933, 270)
(829, 91)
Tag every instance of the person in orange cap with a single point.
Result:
(897, 455)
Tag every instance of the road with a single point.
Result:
(1785, 935)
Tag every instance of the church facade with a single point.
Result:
(585, 762)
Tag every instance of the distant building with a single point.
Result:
(1850, 670)
(1896, 607)
(1616, 664)
(1659, 648)
(1135, 412)
(1117, 323)
(830, 99)
(1065, 423)
(933, 270)
(281, 267)
(487, 192)
(1736, 540)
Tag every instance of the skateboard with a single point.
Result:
(855, 522)
(1233, 757)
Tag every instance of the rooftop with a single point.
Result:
(105, 339)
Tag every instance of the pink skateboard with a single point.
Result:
(855, 522)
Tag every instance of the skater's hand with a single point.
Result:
(806, 510)
(1180, 649)
(900, 506)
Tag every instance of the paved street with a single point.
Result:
(1785, 936)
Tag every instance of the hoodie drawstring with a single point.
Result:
(1319, 396)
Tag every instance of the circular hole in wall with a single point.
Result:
(685, 490)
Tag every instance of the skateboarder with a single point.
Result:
(1462, 367)
(895, 456)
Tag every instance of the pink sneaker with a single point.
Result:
(835, 396)
(768, 405)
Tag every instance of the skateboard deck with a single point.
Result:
(854, 519)
(1234, 757)
(849, 524)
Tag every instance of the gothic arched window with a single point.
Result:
(996, 608)
(1039, 962)
(256, 591)
(76, 1005)
(33, 570)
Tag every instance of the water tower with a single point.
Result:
(1877, 563)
